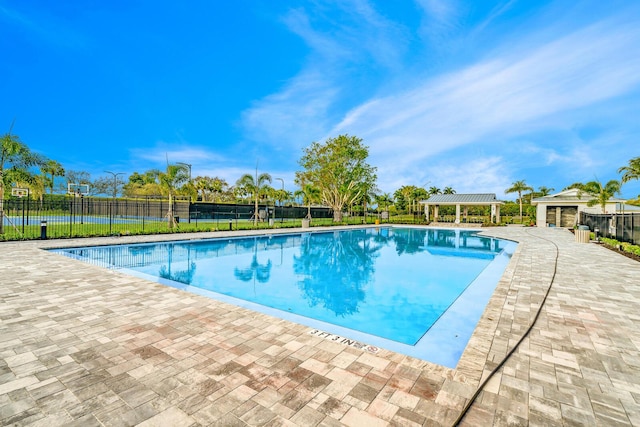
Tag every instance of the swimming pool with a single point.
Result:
(417, 291)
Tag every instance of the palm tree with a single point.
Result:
(254, 186)
(202, 184)
(281, 196)
(577, 185)
(601, 195)
(385, 200)
(448, 190)
(367, 194)
(170, 181)
(16, 155)
(407, 192)
(418, 194)
(632, 171)
(434, 190)
(519, 187)
(401, 198)
(54, 169)
(544, 191)
(309, 194)
(210, 189)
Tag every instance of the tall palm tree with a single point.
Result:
(170, 181)
(519, 187)
(54, 169)
(601, 195)
(630, 172)
(367, 194)
(418, 194)
(407, 192)
(255, 186)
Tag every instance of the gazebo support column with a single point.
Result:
(457, 213)
(495, 213)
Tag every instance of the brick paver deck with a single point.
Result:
(83, 346)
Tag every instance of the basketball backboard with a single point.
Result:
(19, 192)
(78, 189)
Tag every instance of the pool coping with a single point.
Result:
(294, 378)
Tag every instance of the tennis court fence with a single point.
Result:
(23, 218)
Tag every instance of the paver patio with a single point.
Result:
(85, 346)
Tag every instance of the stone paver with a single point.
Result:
(80, 345)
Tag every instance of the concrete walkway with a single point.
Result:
(83, 346)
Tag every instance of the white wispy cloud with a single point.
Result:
(495, 12)
(305, 106)
(164, 152)
(550, 80)
(503, 97)
(484, 174)
(440, 18)
(292, 115)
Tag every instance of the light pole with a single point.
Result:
(115, 182)
(187, 165)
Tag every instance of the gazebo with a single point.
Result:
(463, 201)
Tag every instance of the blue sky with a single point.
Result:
(469, 94)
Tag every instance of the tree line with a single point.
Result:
(334, 173)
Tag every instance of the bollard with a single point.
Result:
(43, 230)
(230, 224)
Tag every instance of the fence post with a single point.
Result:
(23, 213)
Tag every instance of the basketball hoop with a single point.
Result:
(78, 189)
(20, 192)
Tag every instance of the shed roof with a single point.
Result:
(462, 199)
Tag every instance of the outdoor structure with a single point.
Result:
(462, 202)
(563, 209)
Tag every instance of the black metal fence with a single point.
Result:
(622, 227)
(81, 217)
(224, 212)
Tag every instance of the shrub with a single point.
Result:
(623, 246)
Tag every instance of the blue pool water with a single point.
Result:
(386, 286)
